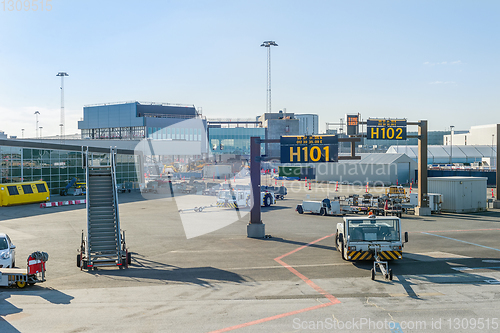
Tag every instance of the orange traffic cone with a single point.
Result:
(337, 187)
(366, 188)
(492, 194)
(309, 185)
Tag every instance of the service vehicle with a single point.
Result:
(7, 252)
(279, 191)
(74, 187)
(323, 207)
(371, 238)
(242, 198)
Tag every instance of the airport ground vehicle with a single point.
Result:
(35, 272)
(371, 238)
(242, 198)
(324, 207)
(23, 193)
(74, 188)
(7, 252)
(279, 191)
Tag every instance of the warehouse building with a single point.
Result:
(375, 169)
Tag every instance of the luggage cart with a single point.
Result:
(34, 273)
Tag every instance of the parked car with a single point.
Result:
(7, 252)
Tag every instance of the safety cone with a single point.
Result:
(309, 185)
(235, 179)
(282, 183)
(275, 182)
(225, 179)
(337, 187)
(492, 194)
(213, 177)
(397, 184)
(366, 191)
(410, 187)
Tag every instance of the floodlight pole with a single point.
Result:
(36, 128)
(496, 203)
(61, 124)
(268, 45)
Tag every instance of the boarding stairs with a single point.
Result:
(104, 244)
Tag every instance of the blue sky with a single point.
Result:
(434, 60)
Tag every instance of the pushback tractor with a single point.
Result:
(371, 238)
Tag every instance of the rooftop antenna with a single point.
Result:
(61, 124)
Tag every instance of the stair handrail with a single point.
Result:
(115, 200)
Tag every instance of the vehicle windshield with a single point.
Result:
(3, 244)
(225, 195)
(373, 230)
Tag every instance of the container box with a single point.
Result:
(460, 194)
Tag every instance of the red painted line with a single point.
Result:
(313, 285)
(333, 300)
(263, 320)
(302, 247)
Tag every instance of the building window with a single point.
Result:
(169, 136)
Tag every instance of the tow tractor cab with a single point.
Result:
(359, 238)
(242, 198)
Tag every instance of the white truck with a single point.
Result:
(371, 238)
(324, 207)
(242, 198)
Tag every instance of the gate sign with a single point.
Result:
(386, 129)
(309, 149)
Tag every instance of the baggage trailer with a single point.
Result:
(324, 207)
(34, 273)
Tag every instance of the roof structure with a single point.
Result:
(443, 154)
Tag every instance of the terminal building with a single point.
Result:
(57, 164)
(138, 120)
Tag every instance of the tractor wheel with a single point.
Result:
(78, 260)
(85, 264)
(300, 210)
(373, 274)
(21, 284)
(267, 200)
(322, 212)
(390, 274)
(129, 258)
(342, 249)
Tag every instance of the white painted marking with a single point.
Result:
(492, 281)
(459, 240)
(473, 268)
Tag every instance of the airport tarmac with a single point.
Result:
(189, 276)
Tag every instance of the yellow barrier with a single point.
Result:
(23, 193)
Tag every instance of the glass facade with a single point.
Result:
(175, 133)
(57, 167)
(234, 140)
(134, 132)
